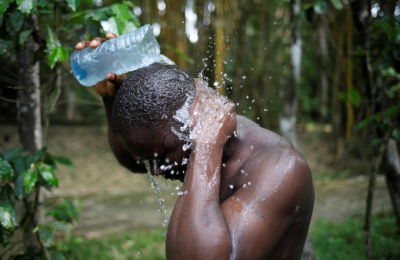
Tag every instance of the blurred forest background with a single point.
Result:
(291, 66)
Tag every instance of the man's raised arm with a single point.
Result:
(107, 89)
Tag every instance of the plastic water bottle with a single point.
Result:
(126, 53)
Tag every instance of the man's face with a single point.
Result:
(166, 154)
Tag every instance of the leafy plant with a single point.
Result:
(345, 240)
(21, 176)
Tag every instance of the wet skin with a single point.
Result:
(249, 194)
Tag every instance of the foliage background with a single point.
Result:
(349, 70)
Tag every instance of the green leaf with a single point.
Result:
(112, 26)
(73, 211)
(5, 236)
(377, 141)
(57, 54)
(46, 236)
(13, 154)
(52, 40)
(73, 4)
(47, 173)
(396, 134)
(338, 4)
(321, 6)
(121, 11)
(7, 196)
(6, 217)
(389, 72)
(6, 47)
(14, 22)
(56, 255)
(6, 171)
(355, 97)
(19, 189)
(25, 6)
(129, 27)
(4, 5)
(24, 35)
(29, 179)
(37, 156)
(20, 165)
(63, 160)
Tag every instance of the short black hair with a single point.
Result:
(149, 99)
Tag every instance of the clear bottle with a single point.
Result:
(125, 53)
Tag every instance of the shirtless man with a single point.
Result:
(247, 193)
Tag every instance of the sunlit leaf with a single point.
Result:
(129, 27)
(4, 5)
(29, 179)
(112, 26)
(338, 4)
(52, 38)
(47, 173)
(6, 217)
(24, 35)
(389, 72)
(121, 11)
(73, 4)
(6, 171)
(25, 6)
(57, 54)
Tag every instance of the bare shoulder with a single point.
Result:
(277, 170)
(284, 173)
(274, 192)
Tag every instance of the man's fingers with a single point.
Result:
(96, 42)
(110, 36)
(111, 76)
(82, 44)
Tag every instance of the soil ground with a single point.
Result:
(113, 199)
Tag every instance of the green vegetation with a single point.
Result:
(345, 240)
(142, 244)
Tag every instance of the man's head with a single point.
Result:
(145, 108)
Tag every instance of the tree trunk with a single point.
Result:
(323, 71)
(288, 119)
(392, 174)
(29, 114)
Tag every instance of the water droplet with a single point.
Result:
(244, 77)
(231, 186)
(251, 147)
(245, 186)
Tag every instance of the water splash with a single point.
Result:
(154, 183)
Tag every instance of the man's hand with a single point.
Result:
(214, 116)
(109, 86)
